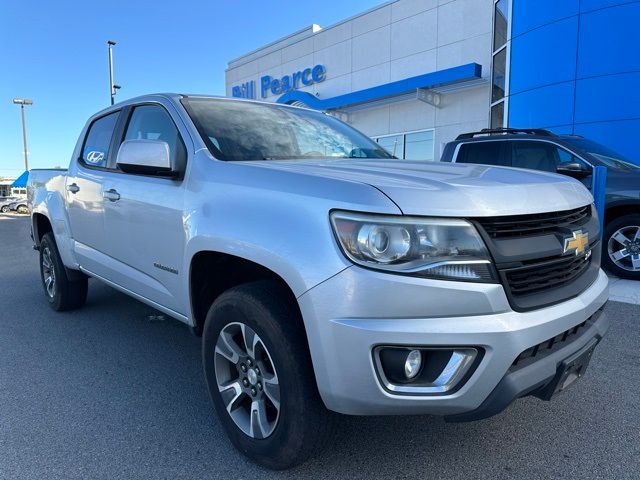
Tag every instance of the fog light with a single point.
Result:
(412, 363)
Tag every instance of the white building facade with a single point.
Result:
(412, 74)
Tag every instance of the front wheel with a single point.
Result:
(260, 376)
(23, 209)
(4, 209)
(622, 247)
(61, 292)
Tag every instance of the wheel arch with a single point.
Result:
(213, 272)
(40, 226)
(619, 209)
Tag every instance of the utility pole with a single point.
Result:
(112, 86)
(22, 102)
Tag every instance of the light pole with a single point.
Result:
(112, 86)
(22, 102)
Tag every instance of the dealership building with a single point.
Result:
(413, 74)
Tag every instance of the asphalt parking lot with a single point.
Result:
(113, 391)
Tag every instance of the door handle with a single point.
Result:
(112, 195)
(73, 188)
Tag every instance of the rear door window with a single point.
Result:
(539, 155)
(486, 153)
(95, 152)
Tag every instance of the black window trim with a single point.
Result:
(117, 137)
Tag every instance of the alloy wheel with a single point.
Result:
(247, 380)
(48, 273)
(624, 248)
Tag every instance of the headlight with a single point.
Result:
(425, 247)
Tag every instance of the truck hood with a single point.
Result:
(450, 189)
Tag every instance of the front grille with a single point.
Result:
(535, 224)
(528, 253)
(545, 275)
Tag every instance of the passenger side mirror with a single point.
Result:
(146, 157)
(573, 169)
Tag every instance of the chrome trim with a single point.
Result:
(461, 361)
(163, 309)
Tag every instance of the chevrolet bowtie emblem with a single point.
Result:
(578, 243)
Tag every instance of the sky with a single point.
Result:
(55, 53)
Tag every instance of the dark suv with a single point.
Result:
(575, 156)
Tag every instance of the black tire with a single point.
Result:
(5, 209)
(624, 222)
(66, 294)
(303, 425)
(23, 209)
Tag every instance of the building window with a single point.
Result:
(410, 145)
(419, 146)
(497, 115)
(499, 62)
(500, 24)
(394, 144)
(498, 75)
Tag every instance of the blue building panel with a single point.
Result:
(544, 107)
(581, 73)
(609, 41)
(606, 98)
(529, 14)
(589, 5)
(544, 56)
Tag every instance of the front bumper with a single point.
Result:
(350, 314)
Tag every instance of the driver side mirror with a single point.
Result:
(146, 157)
(573, 169)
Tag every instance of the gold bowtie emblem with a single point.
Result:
(578, 243)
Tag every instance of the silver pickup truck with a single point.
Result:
(323, 274)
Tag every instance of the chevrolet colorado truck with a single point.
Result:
(323, 274)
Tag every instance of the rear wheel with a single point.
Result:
(22, 209)
(4, 209)
(622, 247)
(260, 376)
(61, 292)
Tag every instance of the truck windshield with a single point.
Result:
(240, 130)
(604, 155)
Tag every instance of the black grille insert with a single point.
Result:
(540, 276)
(535, 224)
(551, 345)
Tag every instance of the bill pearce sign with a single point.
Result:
(276, 86)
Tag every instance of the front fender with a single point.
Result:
(302, 259)
(275, 219)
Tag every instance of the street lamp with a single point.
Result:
(22, 102)
(112, 86)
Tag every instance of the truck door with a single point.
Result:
(84, 193)
(144, 216)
